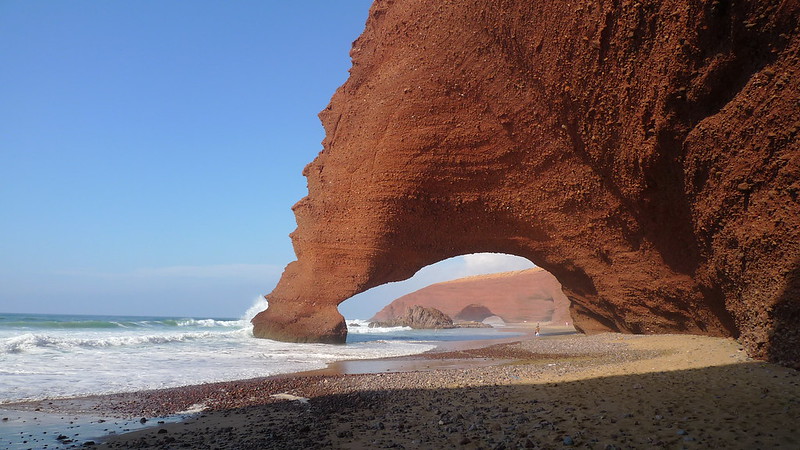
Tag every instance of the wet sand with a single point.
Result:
(605, 391)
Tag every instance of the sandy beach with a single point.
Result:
(563, 390)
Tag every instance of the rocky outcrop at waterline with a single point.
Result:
(422, 318)
(645, 153)
(418, 317)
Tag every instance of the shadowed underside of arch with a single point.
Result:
(644, 153)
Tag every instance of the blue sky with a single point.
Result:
(150, 151)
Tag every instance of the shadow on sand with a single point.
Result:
(744, 405)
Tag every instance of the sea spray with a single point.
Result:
(259, 304)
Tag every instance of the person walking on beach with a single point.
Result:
(537, 329)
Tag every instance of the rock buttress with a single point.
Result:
(645, 153)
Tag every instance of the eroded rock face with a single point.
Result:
(418, 317)
(531, 295)
(645, 153)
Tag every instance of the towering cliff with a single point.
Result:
(531, 295)
(643, 152)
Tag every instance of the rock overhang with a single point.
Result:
(644, 153)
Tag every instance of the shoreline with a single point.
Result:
(92, 418)
(98, 404)
(424, 360)
(632, 391)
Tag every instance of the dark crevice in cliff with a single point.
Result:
(784, 338)
(730, 51)
(715, 299)
(605, 34)
(600, 322)
(665, 214)
(570, 118)
(574, 277)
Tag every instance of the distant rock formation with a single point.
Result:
(418, 317)
(494, 321)
(645, 153)
(473, 312)
(531, 295)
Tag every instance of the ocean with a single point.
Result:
(60, 356)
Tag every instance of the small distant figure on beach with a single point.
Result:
(537, 329)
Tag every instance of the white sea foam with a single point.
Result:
(60, 356)
(31, 342)
(53, 360)
(97, 370)
(210, 323)
(18, 344)
(358, 326)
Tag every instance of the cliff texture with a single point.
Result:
(645, 153)
(531, 295)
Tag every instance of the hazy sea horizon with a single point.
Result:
(46, 356)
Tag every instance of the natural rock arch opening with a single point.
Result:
(355, 271)
(645, 154)
(468, 288)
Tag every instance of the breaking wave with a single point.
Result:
(31, 342)
(210, 323)
(90, 323)
(358, 326)
(53, 356)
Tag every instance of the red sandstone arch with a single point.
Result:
(644, 153)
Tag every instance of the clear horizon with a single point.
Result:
(151, 153)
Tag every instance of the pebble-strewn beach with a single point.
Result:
(604, 392)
